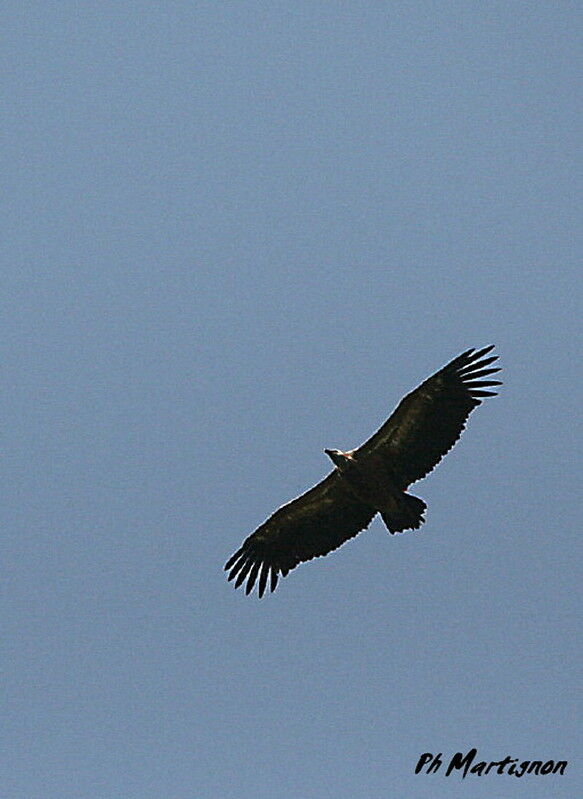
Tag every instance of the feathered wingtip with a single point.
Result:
(244, 563)
(469, 366)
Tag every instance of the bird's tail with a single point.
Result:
(404, 513)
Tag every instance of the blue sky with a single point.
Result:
(235, 234)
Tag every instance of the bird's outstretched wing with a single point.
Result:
(428, 421)
(314, 524)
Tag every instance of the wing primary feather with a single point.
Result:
(252, 577)
(470, 367)
(243, 573)
(484, 393)
(482, 372)
(460, 360)
(233, 558)
(238, 566)
(263, 579)
(274, 578)
(484, 351)
(483, 383)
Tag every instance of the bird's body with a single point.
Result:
(370, 479)
(373, 483)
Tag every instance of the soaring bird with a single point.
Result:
(370, 479)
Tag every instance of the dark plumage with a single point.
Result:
(370, 479)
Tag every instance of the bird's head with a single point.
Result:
(338, 458)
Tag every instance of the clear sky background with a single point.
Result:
(235, 234)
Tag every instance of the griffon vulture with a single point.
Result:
(370, 479)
